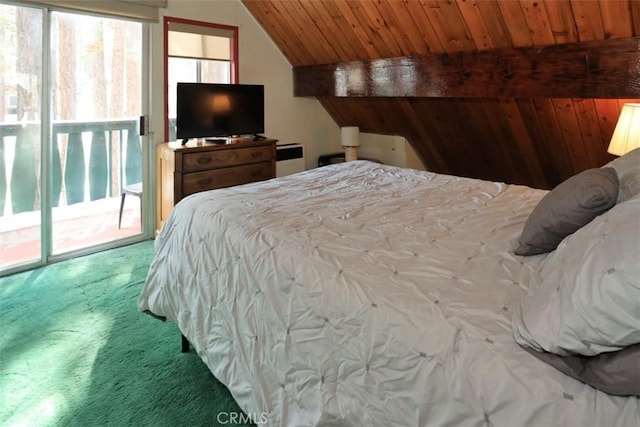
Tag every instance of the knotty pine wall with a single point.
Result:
(526, 140)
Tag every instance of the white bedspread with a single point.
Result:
(359, 294)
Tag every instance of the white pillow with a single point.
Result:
(628, 169)
(587, 298)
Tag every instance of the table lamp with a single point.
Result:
(350, 142)
(626, 135)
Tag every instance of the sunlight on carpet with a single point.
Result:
(63, 366)
(75, 350)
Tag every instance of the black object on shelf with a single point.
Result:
(329, 159)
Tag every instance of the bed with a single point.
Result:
(365, 294)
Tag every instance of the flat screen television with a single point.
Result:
(215, 110)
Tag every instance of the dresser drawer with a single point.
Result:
(224, 158)
(194, 182)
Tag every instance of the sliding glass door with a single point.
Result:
(71, 158)
(96, 70)
(21, 80)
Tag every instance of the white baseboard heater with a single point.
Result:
(289, 159)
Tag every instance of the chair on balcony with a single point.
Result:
(134, 190)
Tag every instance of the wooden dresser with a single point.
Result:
(186, 169)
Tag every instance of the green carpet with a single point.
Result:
(75, 351)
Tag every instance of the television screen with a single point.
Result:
(219, 110)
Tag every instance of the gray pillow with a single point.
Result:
(616, 372)
(628, 169)
(567, 208)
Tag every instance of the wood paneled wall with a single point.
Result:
(537, 141)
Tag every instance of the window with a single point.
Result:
(196, 52)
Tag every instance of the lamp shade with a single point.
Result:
(626, 135)
(350, 136)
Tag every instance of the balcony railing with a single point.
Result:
(90, 161)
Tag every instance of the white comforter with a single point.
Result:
(366, 295)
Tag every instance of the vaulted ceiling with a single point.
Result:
(519, 137)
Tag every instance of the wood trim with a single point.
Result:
(594, 69)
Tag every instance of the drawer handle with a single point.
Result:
(204, 160)
(256, 154)
(204, 181)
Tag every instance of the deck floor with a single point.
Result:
(74, 227)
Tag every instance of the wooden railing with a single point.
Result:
(90, 161)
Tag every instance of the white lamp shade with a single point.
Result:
(350, 136)
(626, 135)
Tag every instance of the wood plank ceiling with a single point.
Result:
(527, 140)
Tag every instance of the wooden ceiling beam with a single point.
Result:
(594, 69)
